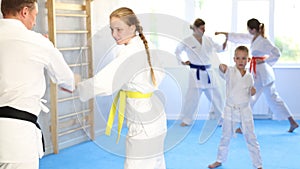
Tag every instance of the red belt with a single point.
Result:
(253, 62)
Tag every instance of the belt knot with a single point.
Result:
(202, 68)
(120, 100)
(253, 63)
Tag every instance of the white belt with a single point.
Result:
(237, 106)
(43, 106)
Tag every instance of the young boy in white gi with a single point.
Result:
(239, 89)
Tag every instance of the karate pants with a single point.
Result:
(247, 126)
(145, 141)
(192, 98)
(145, 152)
(149, 163)
(276, 104)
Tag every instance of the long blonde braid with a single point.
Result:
(141, 35)
(129, 17)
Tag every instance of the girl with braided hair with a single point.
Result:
(135, 75)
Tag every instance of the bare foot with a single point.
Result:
(183, 124)
(239, 130)
(293, 127)
(214, 165)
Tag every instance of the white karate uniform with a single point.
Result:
(202, 54)
(24, 55)
(146, 119)
(264, 79)
(238, 111)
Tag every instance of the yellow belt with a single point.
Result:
(121, 98)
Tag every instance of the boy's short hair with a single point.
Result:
(241, 48)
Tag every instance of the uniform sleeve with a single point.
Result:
(251, 83)
(59, 71)
(272, 51)
(250, 80)
(100, 84)
(226, 73)
(241, 38)
(112, 77)
(214, 57)
(181, 53)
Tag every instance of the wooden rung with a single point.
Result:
(69, 123)
(67, 99)
(72, 31)
(74, 122)
(74, 114)
(68, 6)
(78, 64)
(73, 130)
(73, 48)
(72, 15)
(63, 123)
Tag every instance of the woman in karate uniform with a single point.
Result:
(264, 56)
(135, 75)
(201, 52)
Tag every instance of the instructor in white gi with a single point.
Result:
(24, 55)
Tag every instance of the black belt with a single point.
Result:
(202, 68)
(9, 112)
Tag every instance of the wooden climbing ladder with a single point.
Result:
(70, 30)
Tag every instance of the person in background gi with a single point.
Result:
(24, 57)
(135, 75)
(264, 56)
(239, 89)
(203, 61)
